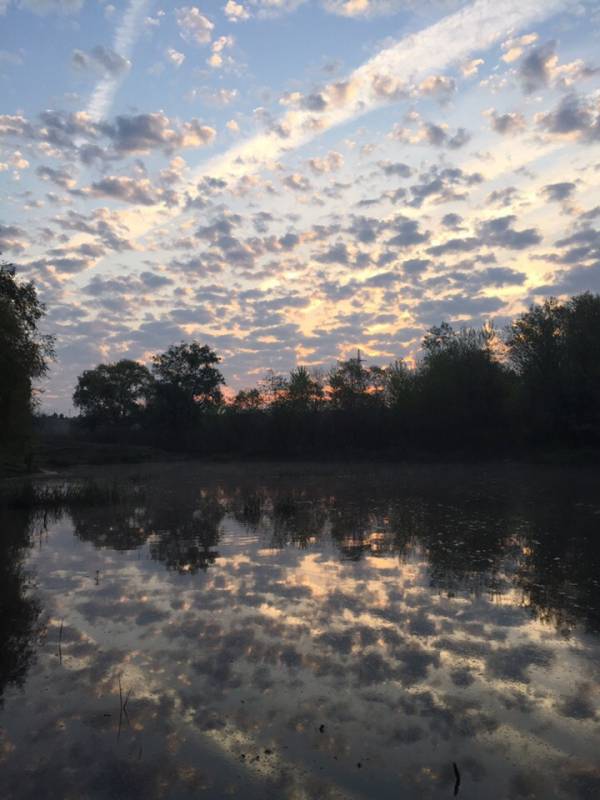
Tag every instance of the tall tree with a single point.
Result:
(248, 400)
(400, 387)
(581, 363)
(113, 393)
(187, 376)
(304, 391)
(24, 355)
(352, 385)
(555, 349)
(463, 386)
(273, 389)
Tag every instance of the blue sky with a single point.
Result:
(290, 180)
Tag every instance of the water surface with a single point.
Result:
(306, 633)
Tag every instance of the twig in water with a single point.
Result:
(457, 776)
(123, 709)
(60, 642)
(120, 709)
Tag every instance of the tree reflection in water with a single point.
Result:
(473, 541)
(19, 608)
(314, 620)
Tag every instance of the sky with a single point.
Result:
(290, 180)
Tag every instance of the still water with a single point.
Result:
(305, 634)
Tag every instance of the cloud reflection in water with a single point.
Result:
(278, 630)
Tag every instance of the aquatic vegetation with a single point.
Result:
(65, 494)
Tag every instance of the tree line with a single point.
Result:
(536, 383)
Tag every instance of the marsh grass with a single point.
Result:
(285, 506)
(57, 496)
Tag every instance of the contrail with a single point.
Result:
(452, 40)
(443, 44)
(125, 36)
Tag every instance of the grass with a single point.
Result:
(56, 496)
(285, 506)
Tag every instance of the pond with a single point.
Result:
(305, 632)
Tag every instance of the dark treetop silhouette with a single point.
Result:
(24, 354)
(473, 390)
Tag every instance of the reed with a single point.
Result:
(58, 496)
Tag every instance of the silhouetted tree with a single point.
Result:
(304, 391)
(113, 393)
(188, 384)
(464, 394)
(273, 388)
(555, 349)
(582, 364)
(462, 385)
(400, 386)
(24, 355)
(190, 370)
(247, 400)
(351, 384)
(401, 394)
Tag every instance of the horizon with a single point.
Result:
(291, 181)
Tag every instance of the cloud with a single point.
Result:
(580, 704)
(297, 182)
(77, 134)
(366, 229)
(216, 58)
(572, 281)
(12, 237)
(427, 52)
(236, 12)
(438, 86)
(507, 123)
(61, 177)
(584, 244)
(193, 26)
(513, 48)
(14, 161)
(129, 190)
(395, 168)
(142, 133)
(44, 7)
(541, 68)
(102, 59)
(125, 36)
(401, 250)
(337, 254)
(455, 245)
(557, 192)
(438, 137)
(430, 133)
(574, 117)
(105, 225)
(512, 663)
(407, 232)
(175, 57)
(535, 69)
(441, 185)
(503, 197)
(365, 8)
(500, 232)
(470, 68)
(452, 221)
(332, 162)
(456, 306)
